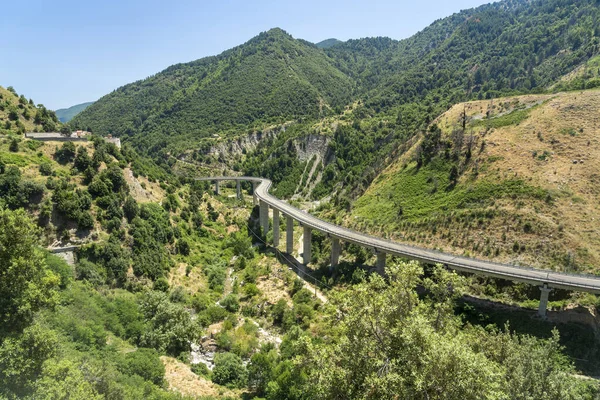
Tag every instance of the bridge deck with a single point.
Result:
(579, 282)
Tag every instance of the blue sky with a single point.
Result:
(65, 52)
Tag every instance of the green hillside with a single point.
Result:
(392, 90)
(155, 280)
(271, 78)
(501, 48)
(511, 185)
(19, 115)
(67, 114)
(174, 292)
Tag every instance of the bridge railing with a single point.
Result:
(406, 250)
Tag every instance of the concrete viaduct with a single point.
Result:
(547, 280)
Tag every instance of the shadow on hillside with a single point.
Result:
(579, 339)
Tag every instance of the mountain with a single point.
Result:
(272, 77)
(410, 140)
(507, 47)
(327, 43)
(504, 48)
(67, 114)
(19, 115)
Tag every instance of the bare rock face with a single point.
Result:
(311, 145)
(245, 144)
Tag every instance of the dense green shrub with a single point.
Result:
(145, 363)
(229, 370)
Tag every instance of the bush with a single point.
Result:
(201, 369)
(145, 363)
(251, 290)
(229, 370)
(230, 302)
(46, 169)
(161, 285)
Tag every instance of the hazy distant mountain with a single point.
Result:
(327, 43)
(67, 114)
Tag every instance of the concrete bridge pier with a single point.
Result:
(289, 234)
(275, 227)
(335, 252)
(264, 217)
(380, 266)
(255, 199)
(306, 253)
(544, 300)
(217, 188)
(238, 190)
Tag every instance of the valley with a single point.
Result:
(340, 219)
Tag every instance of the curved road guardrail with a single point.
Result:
(533, 276)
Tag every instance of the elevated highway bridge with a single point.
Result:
(547, 280)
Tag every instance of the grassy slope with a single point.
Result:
(521, 189)
(10, 99)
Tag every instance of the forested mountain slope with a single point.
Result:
(271, 77)
(391, 89)
(500, 48)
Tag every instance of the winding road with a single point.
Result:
(545, 278)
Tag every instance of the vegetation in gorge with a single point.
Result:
(170, 281)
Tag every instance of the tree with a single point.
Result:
(183, 247)
(82, 161)
(170, 326)
(240, 244)
(14, 145)
(66, 153)
(115, 175)
(46, 169)
(229, 370)
(26, 284)
(13, 114)
(65, 131)
(130, 208)
(230, 303)
(64, 380)
(145, 363)
(22, 358)
(98, 187)
(453, 175)
(389, 343)
(260, 369)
